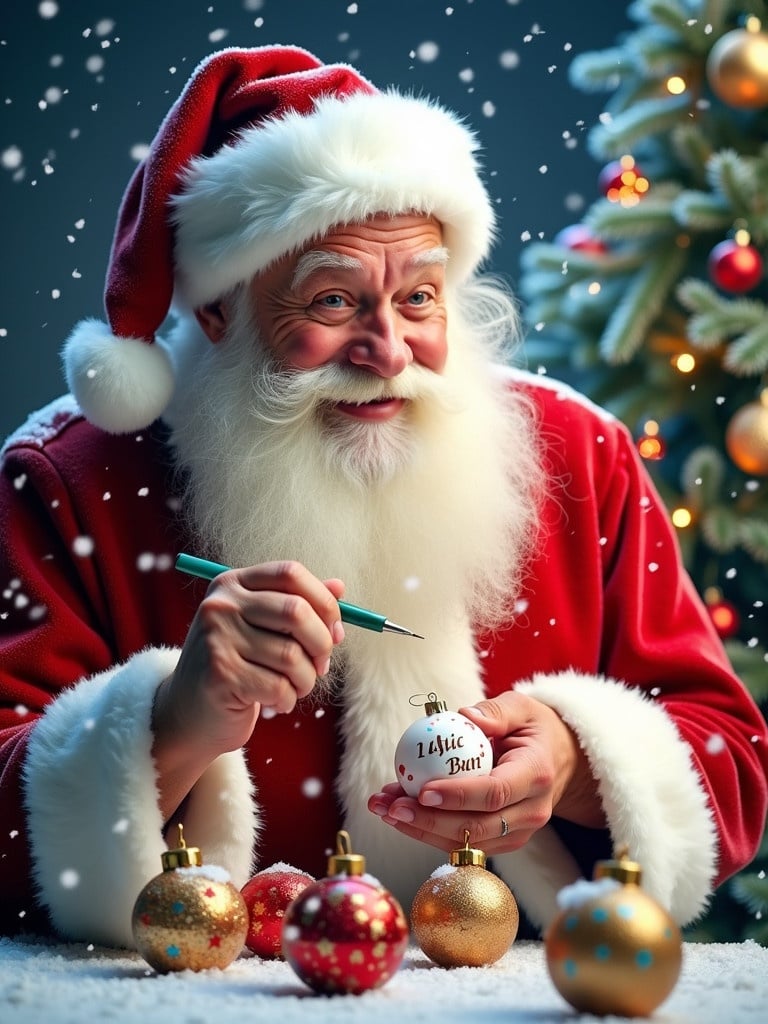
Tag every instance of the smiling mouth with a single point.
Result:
(377, 409)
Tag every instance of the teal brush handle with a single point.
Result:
(349, 612)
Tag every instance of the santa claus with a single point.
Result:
(332, 411)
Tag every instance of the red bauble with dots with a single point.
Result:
(267, 895)
(735, 268)
(346, 933)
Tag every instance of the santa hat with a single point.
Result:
(265, 150)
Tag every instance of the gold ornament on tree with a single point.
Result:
(463, 915)
(746, 436)
(737, 67)
(191, 916)
(612, 949)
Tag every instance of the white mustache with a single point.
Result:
(288, 396)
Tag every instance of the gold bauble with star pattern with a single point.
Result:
(189, 917)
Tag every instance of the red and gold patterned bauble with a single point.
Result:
(581, 239)
(462, 915)
(737, 67)
(267, 894)
(735, 267)
(345, 933)
(612, 949)
(746, 436)
(189, 917)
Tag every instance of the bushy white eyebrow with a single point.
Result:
(437, 255)
(318, 259)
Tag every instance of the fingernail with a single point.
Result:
(431, 798)
(337, 631)
(379, 808)
(401, 813)
(324, 667)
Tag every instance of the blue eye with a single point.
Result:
(332, 301)
(418, 298)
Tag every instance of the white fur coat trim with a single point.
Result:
(92, 803)
(651, 793)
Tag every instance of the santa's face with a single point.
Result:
(367, 296)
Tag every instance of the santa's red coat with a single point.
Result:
(609, 632)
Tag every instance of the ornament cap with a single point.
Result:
(344, 862)
(467, 856)
(183, 856)
(433, 706)
(622, 868)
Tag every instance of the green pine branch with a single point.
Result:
(636, 313)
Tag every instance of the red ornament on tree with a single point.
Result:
(345, 933)
(267, 895)
(580, 238)
(623, 182)
(724, 615)
(735, 267)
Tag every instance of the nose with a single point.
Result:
(380, 345)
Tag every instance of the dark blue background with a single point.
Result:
(74, 147)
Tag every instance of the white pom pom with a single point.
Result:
(121, 384)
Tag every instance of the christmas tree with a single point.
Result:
(656, 306)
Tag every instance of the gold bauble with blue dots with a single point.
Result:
(617, 951)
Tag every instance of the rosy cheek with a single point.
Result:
(307, 349)
(430, 348)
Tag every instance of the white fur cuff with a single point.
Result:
(651, 793)
(92, 802)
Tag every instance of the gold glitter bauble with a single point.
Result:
(746, 437)
(190, 918)
(737, 69)
(464, 917)
(615, 952)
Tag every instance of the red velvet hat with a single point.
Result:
(265, 150)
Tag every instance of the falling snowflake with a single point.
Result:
(427, 51)
(69, 879)
(715, 744)
(94, 64)
(11, 158)
(509, 59)
(83, 546)
(311, 788)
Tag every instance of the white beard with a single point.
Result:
(428, 519)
